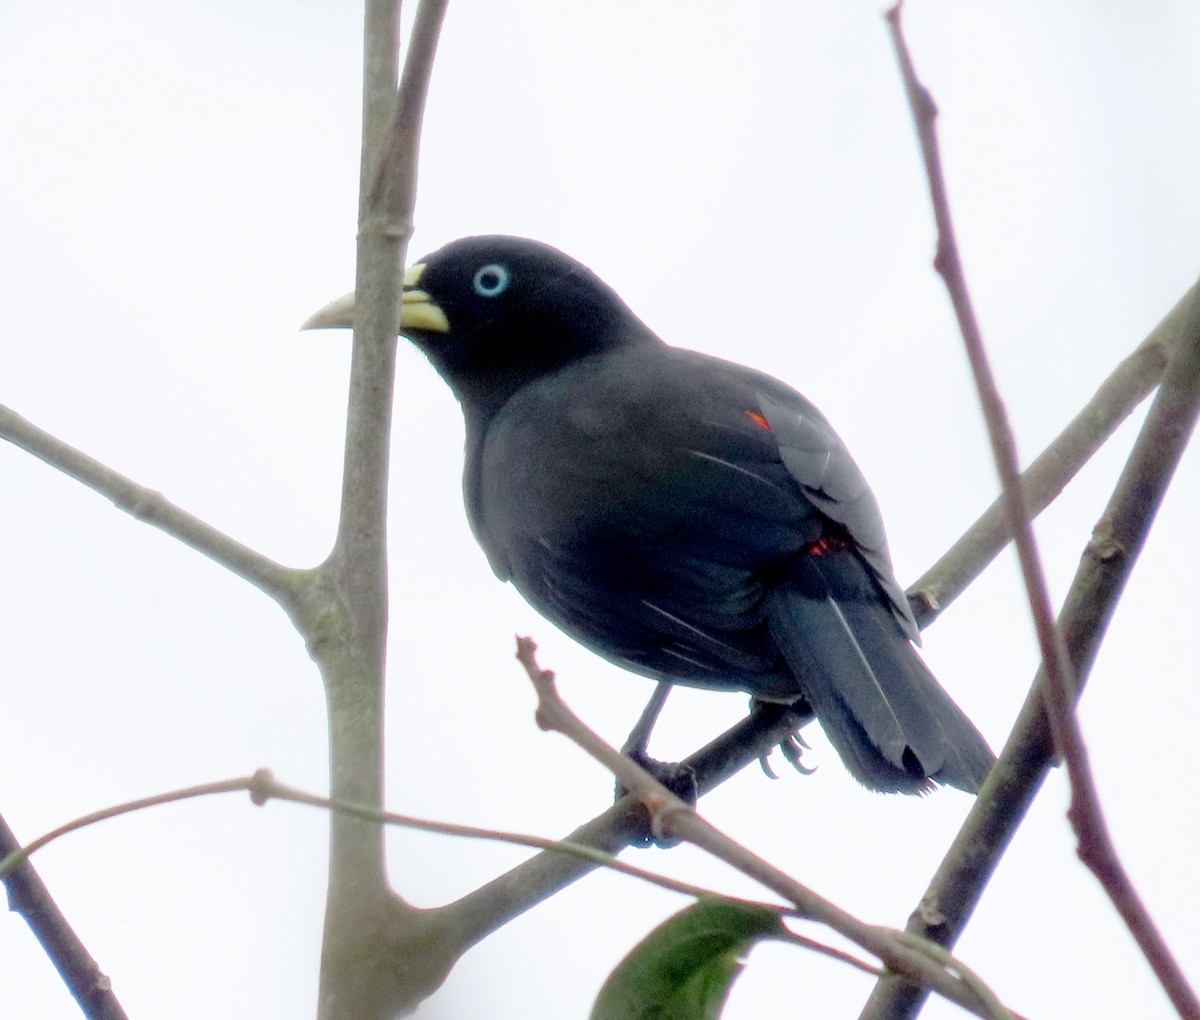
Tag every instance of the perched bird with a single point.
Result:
(686, 518)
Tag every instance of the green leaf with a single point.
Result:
(684, 969)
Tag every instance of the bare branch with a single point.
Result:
(493, 905)
(16, 857)
(1127, 386)
(837, 954)
(949, 264)
(1104, 569)
(151, 507)
(263, 787)
(1117, 539)
(672, 817)
(361, 910)
(29, 897)
(379, 955)
(1058, 688)
(393, 188)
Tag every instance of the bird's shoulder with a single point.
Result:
(634, 418)
(669, 394)
(654, 438)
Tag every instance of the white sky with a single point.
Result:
(177, 193)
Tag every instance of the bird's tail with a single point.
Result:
(884, 712)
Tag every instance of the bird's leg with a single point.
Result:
(680, 779)
(639, 737)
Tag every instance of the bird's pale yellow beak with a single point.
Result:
(417, 309)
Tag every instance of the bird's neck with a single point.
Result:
(490, 382)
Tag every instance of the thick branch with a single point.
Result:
(673, 818)
(1106, 565)
(341, 608)
(493, 905)
(361, 910)
(378, 956)
(1058, 687)
(28, 896)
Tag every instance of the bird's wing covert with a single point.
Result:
(822, 466)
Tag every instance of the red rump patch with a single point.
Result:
(826, 544)
(759, 420)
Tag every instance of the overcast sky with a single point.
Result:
(177, 193)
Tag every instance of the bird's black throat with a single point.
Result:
(488, 360)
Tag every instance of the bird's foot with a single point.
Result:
(677, 777)
(793, 746)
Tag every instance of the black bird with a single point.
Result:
(687, 518)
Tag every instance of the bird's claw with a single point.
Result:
(792, 747)
(764, 763)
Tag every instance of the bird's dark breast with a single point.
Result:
(635, 504)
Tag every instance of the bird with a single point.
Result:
(687, 518)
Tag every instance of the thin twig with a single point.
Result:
(1059, 689)
(19, 856)
(393, 186)
(488, 908)
(673, 817)
(1048, 474)
(837, 954)
(151, 507)
(263, 787)
(29, 897)
(82, 975)
(1104, 569)
(948, 262)
(593, 856)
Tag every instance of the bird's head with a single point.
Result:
(493, 313)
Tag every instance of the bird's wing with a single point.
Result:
(822, 466)
(828, 612)
(696, 521)
(632, 500)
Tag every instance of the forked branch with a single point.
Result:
(1056, 689)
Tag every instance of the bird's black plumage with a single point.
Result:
(688, 518)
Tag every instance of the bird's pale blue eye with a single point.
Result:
(491, 280)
